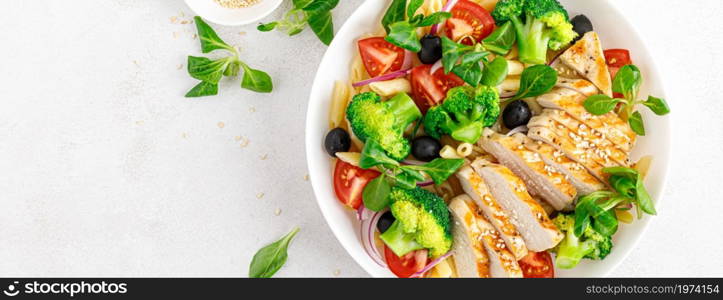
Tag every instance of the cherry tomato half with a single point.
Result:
(430, 89)
(469, 19)
(380, 57)
(349, 182)
(408, 264)
(537, 265)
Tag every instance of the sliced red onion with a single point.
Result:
(436, 66)
(431, 265)
(367, 229)
(518, 129)
(408, 59)
(362, 213)
(384, 77)
(425, 183)
(412, 162)
(447, 7)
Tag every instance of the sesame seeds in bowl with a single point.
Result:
(233, 12)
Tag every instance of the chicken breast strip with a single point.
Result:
(472, 228)
(526, 214)
(610, 125)
(586, 57)
(578, 175)
(541, 180)
(476, 189)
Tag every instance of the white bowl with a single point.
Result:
(215, 13)
(614, 31)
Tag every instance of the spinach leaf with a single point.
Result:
(267, 27)
(636, 123)
(434, 18)
(376, 193)
(657, 105)
(413, 6)
(203, 89)
(643, 198)
(470, 73)
(628, 81)
(604, 221)
(320, 5)
(501, 40)
(316, 13)
(451, 52)
(600, 104)
(256, 80)
(495, 72)
(405, 181)
(404, 35)
(621, 171)
(395, 13)
(535, 81)
(323, 26)
(268, 260)
(623, 185)
(301, 3)
(439, 169)
(210, 71)
(207, 70)
(374, 155)
(209, 39)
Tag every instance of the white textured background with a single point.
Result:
(106, 170)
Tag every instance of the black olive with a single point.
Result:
(431, 49)
(337, 140)
(516, 114)
(426, 148)
(385, 221)
(581, 24)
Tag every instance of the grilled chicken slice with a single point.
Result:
(479, 250)
(565, 146)
(587, 58)
(475, 187)
(577, 174)
(610, 125)
(583, 137)
(581, 86)
(527, 215)
(542, 180)
(470, 256)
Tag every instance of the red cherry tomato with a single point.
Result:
(469, 19)
(537, 265)
(349, 182)
(616, 59)
(430, 89)
(407, 265)
(380, 57)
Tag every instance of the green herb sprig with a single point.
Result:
(401, 23)
(316, 13)
(211, 71)
(375, 194)
(627, 82)
(597, 209)
(269, 259)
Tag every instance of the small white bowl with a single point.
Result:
(213, 12)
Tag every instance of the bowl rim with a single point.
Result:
(663, 156)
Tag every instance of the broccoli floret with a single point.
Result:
(539, 24)
(422, 221)
(464, 113)
(572, 249)
(383, 122)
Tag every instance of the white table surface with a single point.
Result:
(106, 170)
